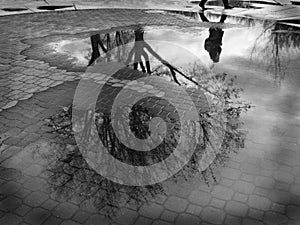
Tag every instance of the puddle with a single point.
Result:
(14, 9)
(256, 43)
(54, 7)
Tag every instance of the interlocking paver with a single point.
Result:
(176, 204)
(11, 219)
(151, 211)
(275, 218)
(231, 173)
(36, 199)
(142, 220)
(200, 197)
(244, 187)
(223, 193)
(259, 202)
(240, 197)
(10, 203)
(23, 210)
(97, 219)
(217, 203)
(252, 222)
(236, 208)
(232, 220)
(37, 216)
(187, 219)
(213, 215)
(194, 209)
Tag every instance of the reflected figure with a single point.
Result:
(96, 41)
(214, 41)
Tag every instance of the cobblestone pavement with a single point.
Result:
(260, 185)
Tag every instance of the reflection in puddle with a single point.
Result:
(72, 178)
(217, 134)
(261, 43)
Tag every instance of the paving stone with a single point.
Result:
(187, 219)
(22, 193)
(252, 222)
(10, 219)
(274, 218)
(261, 191)
(283, 177)
(10, 188)
(194, 209)
(200, 197)
(36, 199)
(9, 174)
(222, 192)
(65, 210)
(35, 184)
(244, 187)
(36, 216)
(49, 204)
(281, 186)
(231, 173)
(213, 215)
(22, 210)
(278, 208)
(10, 203)
(236, 208)
(259, 202)
(295, 189)
(250, 169)
(176, 204)
(293, 212)
(81, 217)
(52, 220)
(280, 197)
(226, 182)
(152, 211)
(126, 216)
(247, 177)
(217, 203)
(265, 182)
(69, 222)
(143, 221)
(240, 197)
(96, 219)
(232, 220)
(161, 222)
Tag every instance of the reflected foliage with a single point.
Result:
(218, 132)
(279, 41)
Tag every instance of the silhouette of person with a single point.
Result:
(213, 43)
(225, 3)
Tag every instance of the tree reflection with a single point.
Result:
(280, 41)
(109, 41)
(218, 133)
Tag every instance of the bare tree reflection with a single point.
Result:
(219, 128)
(114, 40)
(281, 39)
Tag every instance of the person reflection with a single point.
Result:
(213, 43)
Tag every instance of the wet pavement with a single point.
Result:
(44, 178)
